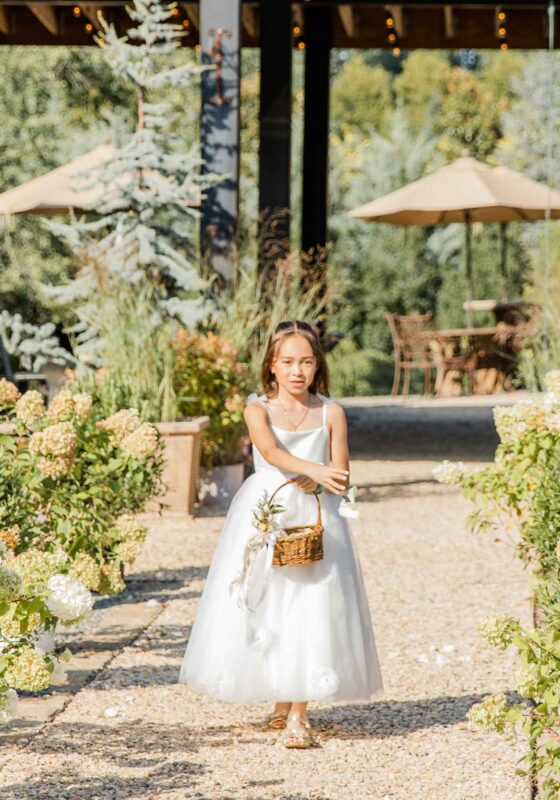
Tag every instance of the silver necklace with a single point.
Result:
(294, 427)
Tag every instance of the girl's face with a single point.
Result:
(295, 364)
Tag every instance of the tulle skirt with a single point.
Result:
(311, 636)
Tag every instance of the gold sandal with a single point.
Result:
(298, 733)
(276, 720)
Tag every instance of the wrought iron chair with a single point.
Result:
(412, 350)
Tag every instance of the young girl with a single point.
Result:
(310, 636)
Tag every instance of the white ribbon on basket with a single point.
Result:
(245, 580)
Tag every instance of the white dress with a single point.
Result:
(311, 636)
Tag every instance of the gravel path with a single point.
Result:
(133, 732)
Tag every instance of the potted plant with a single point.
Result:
(211, 383)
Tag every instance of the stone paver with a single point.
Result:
(133, 732)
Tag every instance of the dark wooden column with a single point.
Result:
(318, 33)
(220, 32)
(275, 129)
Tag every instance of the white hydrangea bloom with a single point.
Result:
(8, 706)
(69, 600)
(552, 381)
(449, 472)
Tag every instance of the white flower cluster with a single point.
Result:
(66, 405)
(56, 445)
(449, 472)
(30, 407)
(10, 583)
(264, 513)
(500, 631)
(527, 680)
(142, 442)
(121, 423)
(69, 600)
(490, 714)
(8, 705)
(56, 440)
(552, 381)
(9, 393)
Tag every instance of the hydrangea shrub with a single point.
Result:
(520, 491)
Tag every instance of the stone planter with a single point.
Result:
(182, 461)
(217, 486)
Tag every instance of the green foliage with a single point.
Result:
(469, 117)
(520, 491)
(70, 478)
(361, 97)
(421, 84)
(210, 380)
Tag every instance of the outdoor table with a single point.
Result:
(486, 355)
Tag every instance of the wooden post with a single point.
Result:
(275, 130)
(317, 36)
(220, 40)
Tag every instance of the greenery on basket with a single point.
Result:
(210, 380)
(264, 513)
(521, 491)
(71, 479)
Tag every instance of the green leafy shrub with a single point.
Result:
(71, 479)
(209, 380)
(521, 491)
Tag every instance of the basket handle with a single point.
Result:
(319, 520)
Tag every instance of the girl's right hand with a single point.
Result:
(336, 480)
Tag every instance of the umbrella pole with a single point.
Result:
(503, 260)
(468, 267)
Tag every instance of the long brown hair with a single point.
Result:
(281, 332)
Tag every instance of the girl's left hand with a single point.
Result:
(305, 483)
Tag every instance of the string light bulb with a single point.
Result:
(396, 51)
(77, 11)
(389, 22)
(501, 15)
(89, 27)
(197, 48)
(297, 30)
(502, 31)
(301, 45)
(186, 23)
(504, 46)
(392, 37)
(175, 11)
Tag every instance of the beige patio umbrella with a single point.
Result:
(466, 191)
(58, 191)
(63, 188)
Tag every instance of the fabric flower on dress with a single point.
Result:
(260, 638)
(326, 680)
(224, 684)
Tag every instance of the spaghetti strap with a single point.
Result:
(325, 414)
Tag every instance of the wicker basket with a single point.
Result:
(299, 544)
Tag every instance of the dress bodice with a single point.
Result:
(311, 445)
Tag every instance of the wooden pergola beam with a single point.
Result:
(193, 10)
(449, 19)
(250, 20)
(46, 16)
(5, 26)
(398, 16)
(92, 13)
(346, 15)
